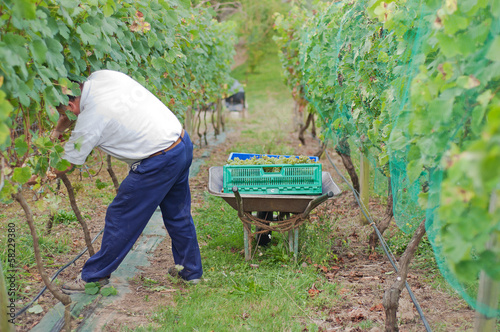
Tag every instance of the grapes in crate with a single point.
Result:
(266, 160)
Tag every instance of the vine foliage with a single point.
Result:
(414, 85)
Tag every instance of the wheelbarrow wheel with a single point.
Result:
(264, 239)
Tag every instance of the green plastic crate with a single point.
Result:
(300, 179)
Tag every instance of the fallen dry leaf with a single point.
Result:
(313, 292)
(377, 307)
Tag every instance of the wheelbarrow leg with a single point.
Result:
(245, 241)
(296, 243)
(293, 242)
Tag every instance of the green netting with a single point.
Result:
(414, 86)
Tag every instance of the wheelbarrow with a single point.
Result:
(292, 210)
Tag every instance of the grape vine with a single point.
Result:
(414, 85)
(179, 53)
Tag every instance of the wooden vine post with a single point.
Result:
(188, 120)
(383, 224)
(489, 289)
(364, 195)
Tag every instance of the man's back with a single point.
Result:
(122, 118)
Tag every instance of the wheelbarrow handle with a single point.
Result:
(315, 202)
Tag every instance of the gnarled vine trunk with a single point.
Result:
(344, 151)
(72, 199)
(392, 294)
(111, 173)
(310, 119)
(63, 298)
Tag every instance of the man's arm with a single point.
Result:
(62, 124)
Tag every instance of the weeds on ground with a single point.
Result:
(64, 217)
(50, 246)
(55, 245)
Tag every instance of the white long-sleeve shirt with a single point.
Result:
(122, 118)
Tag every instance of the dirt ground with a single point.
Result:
(362, 276)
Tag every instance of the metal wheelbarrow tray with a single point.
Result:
(256, 202)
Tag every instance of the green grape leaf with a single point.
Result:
(109, 8)
(107, 291)
(52, 113)
(4, 133)
(493, 53)
(414, 169)
(24, 9)
(92, 288)
(5, 106)
(6, 192)
(39, 50)
(21, 174)
(100, 184)
(70, 115)
(21, 146)
(467, 270)
(62, 165)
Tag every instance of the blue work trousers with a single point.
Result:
(163, 181)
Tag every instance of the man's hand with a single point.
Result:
(55, 134)
(54, 173)
(62, 124)
(50, 174)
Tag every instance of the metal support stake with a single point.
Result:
(245, 241)
(296, 244)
